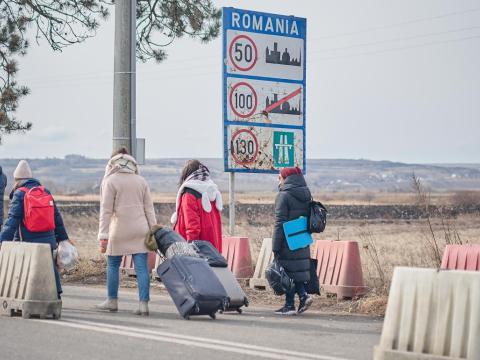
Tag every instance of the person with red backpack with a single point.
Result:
(33, 216)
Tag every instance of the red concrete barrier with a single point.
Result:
(461, 257)
(127, 267)
(236, 250)
(339, 268)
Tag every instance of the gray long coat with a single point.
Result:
(292, 202)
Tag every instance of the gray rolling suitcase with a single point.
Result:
(193, 286)
(236, 297)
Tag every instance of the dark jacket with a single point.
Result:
(3, 185)
(291, 202)
(15, 221)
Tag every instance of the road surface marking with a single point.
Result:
(213, 344)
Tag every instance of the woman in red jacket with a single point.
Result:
(198, 206)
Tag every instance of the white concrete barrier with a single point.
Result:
(431, 315)
(265, 258)
(27, 280)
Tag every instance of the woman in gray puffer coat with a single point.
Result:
(292, 202)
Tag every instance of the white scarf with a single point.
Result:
(209, 191)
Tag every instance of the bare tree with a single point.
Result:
(66, 22)
(432, 241)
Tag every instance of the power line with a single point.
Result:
(414, 21)
(398, 39)
(400, 48)
(211, 73)
(93, 75)
(96, 75)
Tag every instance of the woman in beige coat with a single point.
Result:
(126, 216)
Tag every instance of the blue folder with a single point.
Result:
(297, 234)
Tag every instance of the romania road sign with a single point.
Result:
(264, 92)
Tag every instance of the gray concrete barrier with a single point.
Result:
(431, 315)
(27, 281)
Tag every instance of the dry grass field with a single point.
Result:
(329, 198)
(384, 243)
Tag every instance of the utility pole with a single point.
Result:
(124, 83)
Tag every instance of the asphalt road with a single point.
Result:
(84, 333)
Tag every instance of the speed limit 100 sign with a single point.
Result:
(243, 100)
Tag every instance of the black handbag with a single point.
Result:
(313, 285)
(278, 279)
(207, 251)
(317, 217)
(165, 237)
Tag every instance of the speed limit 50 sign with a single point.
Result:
(263, 91)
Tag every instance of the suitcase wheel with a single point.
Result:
(239, 310)
(213, 316)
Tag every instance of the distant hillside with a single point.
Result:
(76, 174)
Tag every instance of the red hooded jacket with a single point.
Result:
(195, 223)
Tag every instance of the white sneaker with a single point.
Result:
(142, 308)
(108, 305)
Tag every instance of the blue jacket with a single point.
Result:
(3, 185)
(15, 220)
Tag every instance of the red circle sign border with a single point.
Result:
(243, 83)
(230, 52)
(256, 146)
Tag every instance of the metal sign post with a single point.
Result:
(231, 199)
(264, 93)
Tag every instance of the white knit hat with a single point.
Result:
(22, 171)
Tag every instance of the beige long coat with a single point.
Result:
(126, 212)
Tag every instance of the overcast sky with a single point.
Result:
(386, 80)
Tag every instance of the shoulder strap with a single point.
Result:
(193, 192)
(27, 190)
(20, 233)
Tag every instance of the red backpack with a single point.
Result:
(38, 209)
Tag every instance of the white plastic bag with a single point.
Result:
(67, 255)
